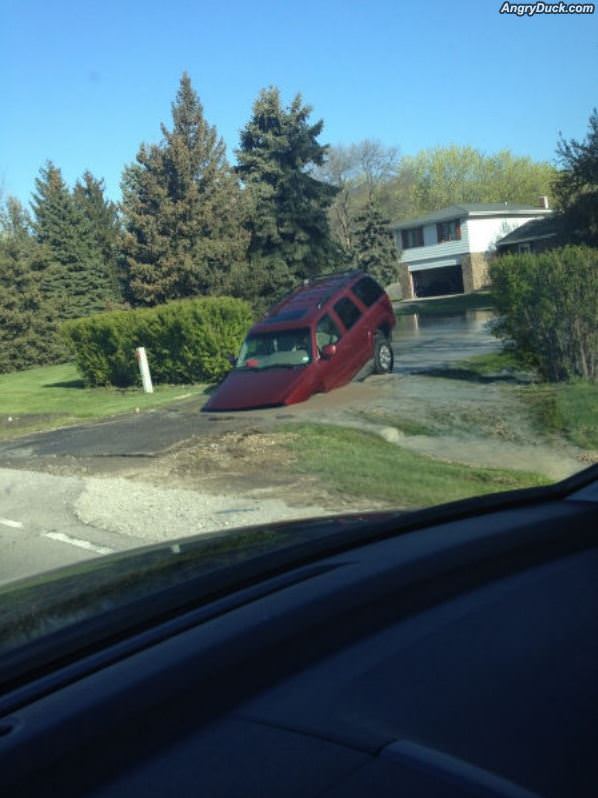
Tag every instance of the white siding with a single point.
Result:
(430, 235)
(483, 233)
(478, 234)
(434, 251)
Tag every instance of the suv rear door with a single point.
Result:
(353, 349)
(377, 311)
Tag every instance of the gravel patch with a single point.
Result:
(144, 511)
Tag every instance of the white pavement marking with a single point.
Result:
(82, 544)
(13, 524)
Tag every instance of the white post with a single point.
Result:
(146, 377)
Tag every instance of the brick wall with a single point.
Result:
(475, 272)
(406, 282)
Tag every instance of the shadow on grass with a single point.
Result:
(69, 384)
(473, 376)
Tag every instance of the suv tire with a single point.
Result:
(383, 355)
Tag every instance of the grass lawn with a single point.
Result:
(493, 363)
(54, 396)
(566, 408)
(570, 409)
(359, 463)
(442, 306)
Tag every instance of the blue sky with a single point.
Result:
(84, 83)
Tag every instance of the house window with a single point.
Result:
(414, 237)
(448, 231)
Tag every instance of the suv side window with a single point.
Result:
(368, 290)
(348, 312)
(326, 332)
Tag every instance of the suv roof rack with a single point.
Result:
(313, 283)
(332, 275)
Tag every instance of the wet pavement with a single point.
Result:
(422, 343)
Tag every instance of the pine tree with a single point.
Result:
(76, 277)
(28, 318)
(577, 185)
(183, 210)
(102, 215)
(288, 222)
(375, 250)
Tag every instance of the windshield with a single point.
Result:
(268, 262)
(280, 348)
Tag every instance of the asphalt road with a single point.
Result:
(142, 435)
(51, 520)
(39, 529)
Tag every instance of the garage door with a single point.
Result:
(435, 282)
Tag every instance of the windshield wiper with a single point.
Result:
(283, 366)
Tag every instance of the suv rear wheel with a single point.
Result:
(383, 355)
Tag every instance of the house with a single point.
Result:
(534, 236)
(447, 251)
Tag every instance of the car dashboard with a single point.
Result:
(459, 658)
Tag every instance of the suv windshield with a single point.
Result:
(280, 348)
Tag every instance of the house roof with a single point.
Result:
(473, 209)
(531, 231)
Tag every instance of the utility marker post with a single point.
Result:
(144, 370)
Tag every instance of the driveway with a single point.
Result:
(424, 343)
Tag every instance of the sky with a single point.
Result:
(85, 83)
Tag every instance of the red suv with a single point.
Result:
(319, 337)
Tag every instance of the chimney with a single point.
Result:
(544, 202)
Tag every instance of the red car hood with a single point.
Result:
(243, 389)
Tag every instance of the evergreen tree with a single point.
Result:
(28, 318)
(183, 210)
(577, 185)
(374, 245)
(102, 215)
(15, 222)
(76, 277)
(288, 222)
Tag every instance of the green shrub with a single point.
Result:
(186, 341)
(548, 310)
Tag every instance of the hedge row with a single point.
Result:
(548, 306)
(186, 341)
